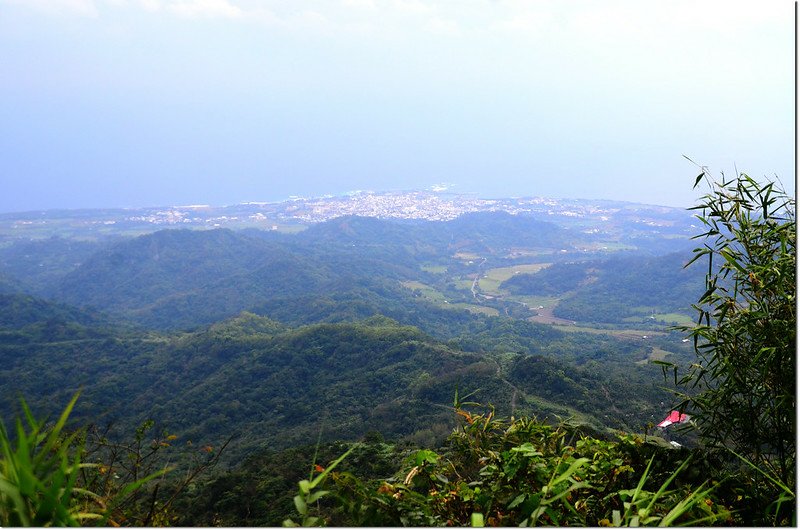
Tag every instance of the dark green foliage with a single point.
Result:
(328, 340)
(18, 311)
(275, 383)
(348, 378)
(374, 237)
(742, 387)
(482, 230)
(38, 473)
(182, 279)
(368, 298)
(632, 286)
(259, 491)
(619, 288)
(616, 289)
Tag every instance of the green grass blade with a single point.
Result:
(330, 468)
(776, 482)
(12, 492)
(666, 484)
(638, 489)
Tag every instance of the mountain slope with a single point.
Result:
(142, 270)
(616, 289)
(38, 265)
(262, 383)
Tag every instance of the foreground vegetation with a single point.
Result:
(522, 472)
(491, 471)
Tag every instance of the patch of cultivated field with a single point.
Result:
(491, 280)
(489, 311)
(678, 318)
(463, 284)
(426, 291)
(435, 296)
(621, 333)
(528, 252)
(435, 269)
(656, 354)
(645, 314)
(545, 316)
(534, 301)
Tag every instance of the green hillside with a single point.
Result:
(262, 382)
(616, 290)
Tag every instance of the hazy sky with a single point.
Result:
(160, 102)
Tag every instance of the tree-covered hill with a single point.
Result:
(356, 266)
(265, 383)
(474, 232)
(182, 278)
(26, 318)
(37, 265)
(8, 285)
(142, 270)
(479, 231)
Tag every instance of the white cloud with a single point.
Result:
(359, 4)
(204, 8)
(84, 8)
(524, 22)
(440, 26)
(150, 5)
(665, 19)
(311, 20)
(413, 7)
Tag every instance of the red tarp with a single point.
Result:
(674, 417)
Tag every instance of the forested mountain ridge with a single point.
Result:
(262, 382)
(8, 285)
(37, 264)
(139, 271)
(181, 278)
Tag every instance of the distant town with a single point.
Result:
(295, 213)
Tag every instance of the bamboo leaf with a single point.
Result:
(300, 505)
(314, 497)
(698, 179)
